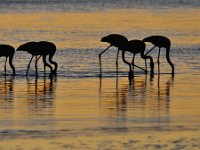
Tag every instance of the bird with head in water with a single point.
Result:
(160, 41)
(42, 48)
(122, 43)
(115, 40)
(8, 52)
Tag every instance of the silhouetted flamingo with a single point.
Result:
(118, 41)
(8, 51)
(136, 46)
(48, 48)
(42, 48)
(160, 41)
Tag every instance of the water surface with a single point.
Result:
(78, 110)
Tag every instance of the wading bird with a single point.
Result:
(160, 41)
(115, 40)
(135, 47)
(42, 48)
(123, 44)
(8, 51)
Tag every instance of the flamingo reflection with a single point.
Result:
(6, 92)
(161, 42)
(41, 92)
(143, 97)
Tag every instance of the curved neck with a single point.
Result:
(151, 61)
(169, 60)
(126, 62)
(53, 62)
(11, 64)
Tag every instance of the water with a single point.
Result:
(78, 110)
(90, 5)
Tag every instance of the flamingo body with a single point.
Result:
(122, 43)
(8, 52)
(135, 46)
(116, 40)
(161, 41)
(42, 48)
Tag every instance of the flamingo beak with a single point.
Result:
(103, 39)
(20, 48)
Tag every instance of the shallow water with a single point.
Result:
(89, 104)
(79, 110)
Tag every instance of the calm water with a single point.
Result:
(77, 103)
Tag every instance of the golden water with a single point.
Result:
(77, 110)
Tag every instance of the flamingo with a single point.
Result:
(8, 51)
(135, 47)
(42, 48)
(113, 40)
(160, 41)
(118, 41)
(49, 48)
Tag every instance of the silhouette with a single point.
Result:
(123, 44)
(48, 48)
(7, 51)
(42, 48)
(115, 40)
(160, 41)
(137, 46)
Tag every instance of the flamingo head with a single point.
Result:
(116, 40)
(27, 46)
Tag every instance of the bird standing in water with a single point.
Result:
(8, 51)
(115, 40)
(42, 48)
(160, 41)
(123, 44)
(135, 47)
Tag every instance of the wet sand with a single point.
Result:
(165, 140)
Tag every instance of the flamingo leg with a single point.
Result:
(44, 70)
(36, 70)
(117, 60)
(11, 64)
(36, 61)
(39, 57)
(5, 66)
(29, 65)
(150, 50)
(130, 74)
(140, 68)
(158, 61)
(100, 59)
(146, 65)
(46, 64)
(133, 63)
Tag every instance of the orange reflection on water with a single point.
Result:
(83, 30)
(101, 107)
(142, 98)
